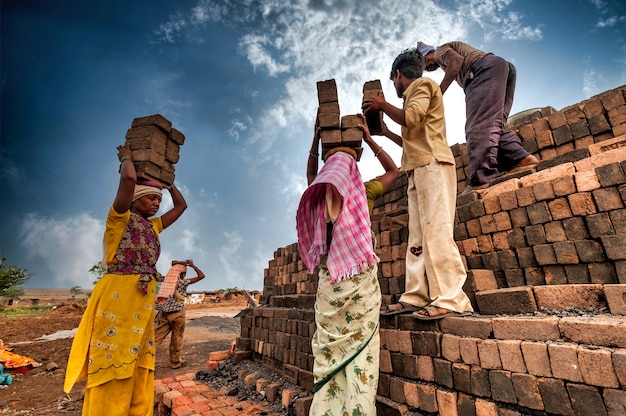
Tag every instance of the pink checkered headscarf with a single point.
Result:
(351, 251)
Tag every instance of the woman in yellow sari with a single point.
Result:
(114, 344)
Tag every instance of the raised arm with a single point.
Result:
(199, 273)
(312, 160)
(391, 170)
(128, 179)
(180, 205)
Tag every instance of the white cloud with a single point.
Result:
(67, 248)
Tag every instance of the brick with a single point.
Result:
(511, 356)
(589, 251)
(469, 326)
(525, 196)
(443, 372)
(427, 398)
(502, 387)
(450, 349)
(554, 396)
(615, 401)
(610, 175)
(586, 181)
(479, 380)
(599, 225)
(555, 275)
(614, 246)
(411, 395)
(599, 330)
(565, 252)
(536, 358)
(302, 405)
(527, 391)
(577, 274)
(506, 301)
(564, 362)
(539, 213)
(508, 200)
(516, 238)
(486, 408)
(396, 390)
(607, 199)
(596, 367)
(468, 348)
(519, 217)
(554, 231)
(544, 254)
(489, 355)
(602, 273)
(327, 91)
(559, 209)
(465, 405)
(527, 328)
(461, 377)
(616, 298)
(426, 368)
(582, 204)
(561, 297)
(618, 220)
(563, 186)
(586, 400)
(447, 402)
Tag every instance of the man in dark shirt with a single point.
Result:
(488, 82)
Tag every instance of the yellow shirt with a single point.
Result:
(424, 135)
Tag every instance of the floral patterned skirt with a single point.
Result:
(346, 345)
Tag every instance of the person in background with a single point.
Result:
(170, 307)
(488, 82)
(335, 237)
(435, 273)
(114, 345)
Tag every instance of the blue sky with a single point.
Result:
(238, 79)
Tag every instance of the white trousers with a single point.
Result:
(434, 270)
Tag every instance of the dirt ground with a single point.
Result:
(39, 391)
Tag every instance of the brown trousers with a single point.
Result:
(174, 322)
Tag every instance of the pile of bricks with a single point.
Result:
(155, 147)
(337, 131)
(545, 255)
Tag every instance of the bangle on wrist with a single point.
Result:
(379, 150)
(313, 154)
(125, 158)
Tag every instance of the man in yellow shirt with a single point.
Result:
(434, 270)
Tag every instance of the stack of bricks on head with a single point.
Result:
(337, 131)
(155, 148)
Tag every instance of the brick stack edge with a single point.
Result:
(551, 240)
(155, 147)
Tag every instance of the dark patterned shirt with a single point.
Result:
(176, 301)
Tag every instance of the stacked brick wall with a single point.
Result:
(545, 253)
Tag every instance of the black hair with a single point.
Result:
(410, 63)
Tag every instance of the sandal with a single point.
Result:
(400, 308)
(431, 313)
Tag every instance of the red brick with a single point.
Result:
(616, 298)
(511, 356)
(450, 348)
(411, 395)
(468, 348)
(489, 355)
(596, 367)
(446, 401)
(527, 328)
(601, 330)
(527, 391)
(536, 358)
(564, 362)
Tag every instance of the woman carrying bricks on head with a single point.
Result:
(488, 82)
(114, 346)
(335, 237)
